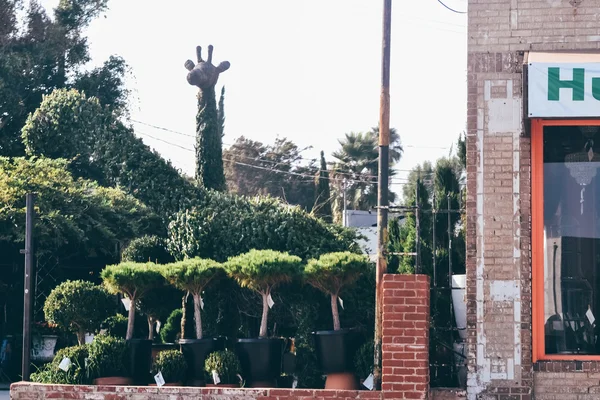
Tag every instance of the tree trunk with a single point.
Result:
(130, 320)
(81, 336)
(334, 312)
(197, 315)
(183, 299)
(150, 328)
(265, 315)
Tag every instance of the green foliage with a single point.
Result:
(107, 357)
(79, 306)
(171, 330)
(192, 275)
(116, 326)
(131, 278)
(147, 248)
(262, 270)
(77, 373)
(332, 271)
(225, 364)
(322, 206)
(363, 360)
(158, 303)
(171, 364)
(259, 223)
(209, 142)
(76, 218)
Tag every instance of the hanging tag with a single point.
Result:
(590, 316)
(270, 301)
(368, 383)
(157, 327)
(126, 302)
(158, 378)
(86, 362)
(215, 377)
(65, 364)
(341, 302)
(295, 383)
(201, 303)
(240, 378)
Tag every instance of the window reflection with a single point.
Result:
(571, 239)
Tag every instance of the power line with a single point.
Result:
(451, 9)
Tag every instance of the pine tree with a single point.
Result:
(322, 206)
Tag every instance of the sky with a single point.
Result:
(307, 70)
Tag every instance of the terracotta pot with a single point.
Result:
(113, 381)
(223, 385)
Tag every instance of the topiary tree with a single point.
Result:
(171, 364)
(147, 249)
(226, 364)
(261, 271)
(134, 280)
(78, 306)
(331, 272)
(193, 275)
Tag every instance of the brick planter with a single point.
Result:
(404, 361)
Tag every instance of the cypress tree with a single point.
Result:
(322, 195)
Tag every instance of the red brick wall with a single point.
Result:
(405, 366)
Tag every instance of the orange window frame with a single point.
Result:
(537, 236)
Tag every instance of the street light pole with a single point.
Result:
(29, 216)
(382, 187)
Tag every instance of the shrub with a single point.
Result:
(363, 360)
(226, 364)
(261, 271)
(171, 364)
(331, 272)
(116, 326)
(192, 276)
(171, 331)
(134, 280)
(158, 304)
(147, 249)
(78, 306)
(107, 357)
(75, 375)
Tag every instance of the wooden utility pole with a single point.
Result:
(382, 187)
(29, 216)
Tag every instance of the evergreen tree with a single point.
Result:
(209, 142)
(322, 205)
(221, 112)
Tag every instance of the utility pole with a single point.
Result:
(382, 187)
(344, 218)
(29, 216)
(418, 230)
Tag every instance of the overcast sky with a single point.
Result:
(308, 70)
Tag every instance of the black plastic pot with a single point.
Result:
(195, 352)
(140, 360)
(336, 350)
(260, 360)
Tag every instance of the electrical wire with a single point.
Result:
(451, 9)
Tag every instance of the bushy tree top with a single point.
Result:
(133, 279)
(78, 305)
(192, 274)
(261, 270)
(147, 248)
(331, 272)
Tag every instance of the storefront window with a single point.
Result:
(570, 239)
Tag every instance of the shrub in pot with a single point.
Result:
(108, 360)
(76, 373)
(193, 276)
(78, 306)
(225, 366)
(335, 349)
(172, 365)
(262, 271)
(135, 280)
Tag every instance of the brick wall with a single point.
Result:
(501, 32)
(405, 355)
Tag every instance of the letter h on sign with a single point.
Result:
(555, 84)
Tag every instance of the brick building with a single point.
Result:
(533, 207)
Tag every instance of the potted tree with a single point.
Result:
(262, 271)
(193, 276)
(335, 349)
(224, 366)
(172, 365)
(78, 306)
(134, 280)
(107, 361)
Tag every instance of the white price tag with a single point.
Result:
(215, 377)
(368, 383)
(240, 378)
(126, 303)
(157, 326)
(590, 316)
(158, 378)
(201, 303)
(295, 383)
(270, 301)
(65, 364)
(341, 302)
(89, 338)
